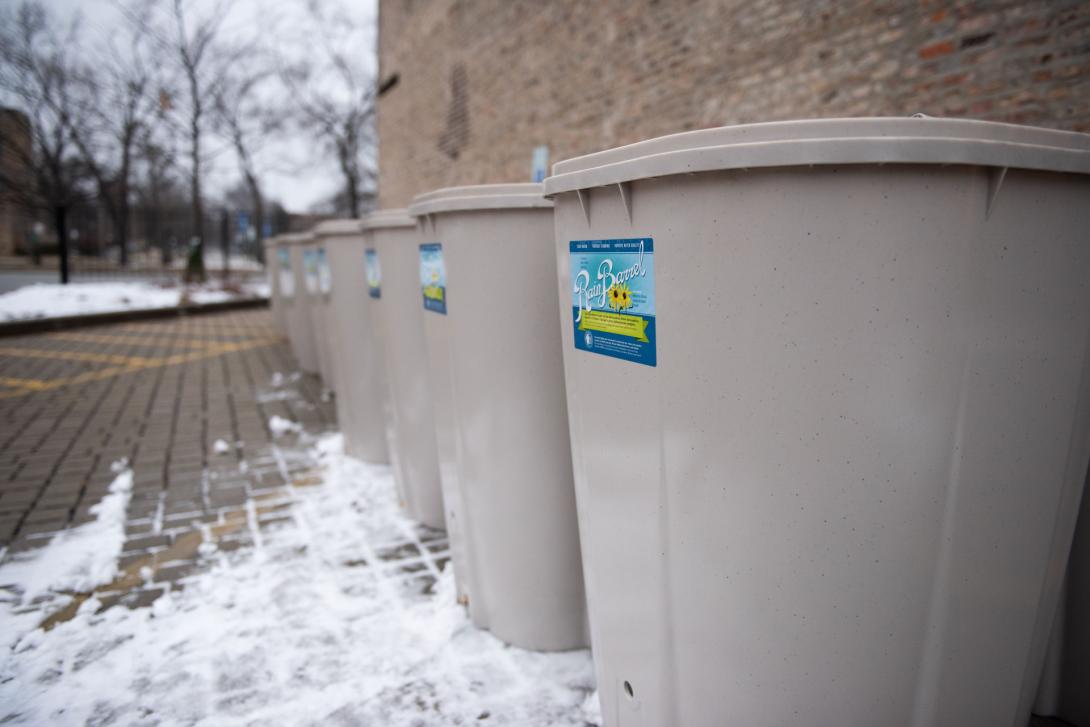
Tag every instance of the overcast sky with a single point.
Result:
(295, 173)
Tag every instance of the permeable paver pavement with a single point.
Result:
(159, 394)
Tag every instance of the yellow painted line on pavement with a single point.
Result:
(134, 339)
(156, 329)
(128, 364)
(34, 384)
(86, 356)
(30, 386)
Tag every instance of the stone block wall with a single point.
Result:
(471, 87)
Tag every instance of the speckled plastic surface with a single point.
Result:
(846, 493)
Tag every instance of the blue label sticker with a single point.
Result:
(310, 271)
(613, 298)
(374, 274)
(433, 277)
(325, 275)
(287, 280)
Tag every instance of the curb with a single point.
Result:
(44, 325)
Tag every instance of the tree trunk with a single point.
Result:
(259, 227)
(60, 227)
(154, 224)
(259, 215)
(123, 202)
(195, 267)
(123, 237)
(225, 243)
(352, 189)
(197, 206)
(351, 177)
(353, 199)
(107, 203)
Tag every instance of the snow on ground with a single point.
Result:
(78, 559)
(313, 625)
(280, 392)
(278, 379)
(46, 300)
(260, 288)
(213, 260)
(279, 426)
(49, 300)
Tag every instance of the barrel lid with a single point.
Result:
(912, 140)
(480, 197)
(297, 238)
(335, 228)
(383, 219)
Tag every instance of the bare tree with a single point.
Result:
(334, 97)
(124, 103)
(244, 116)
(194, 41)
(189, 31)
(155, 182)
(38, 70)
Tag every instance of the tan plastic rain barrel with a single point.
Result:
(830, 416)
(297, 304)
(272, 275)
(397, 315)
(498, 383)
(361, 384)
(316, 271)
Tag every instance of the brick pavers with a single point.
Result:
(159, 395)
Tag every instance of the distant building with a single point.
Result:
(16, 181)
(475, 91)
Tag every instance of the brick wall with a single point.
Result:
(480, 83)
(16, 179)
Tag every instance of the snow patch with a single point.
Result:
(313, 627)
(49, 300)
(221, 446)
(80, 558)
(260, 288)
(46, 300)
(279, 426)
(266, 397)
(202, 296)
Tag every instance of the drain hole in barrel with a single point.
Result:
(628, 691)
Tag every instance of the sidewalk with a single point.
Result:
(159, 394)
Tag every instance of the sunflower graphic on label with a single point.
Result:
(619, 297)
(613, 298)
(433, 277)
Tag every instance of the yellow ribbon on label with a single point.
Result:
(616, 323)
(433, 292)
